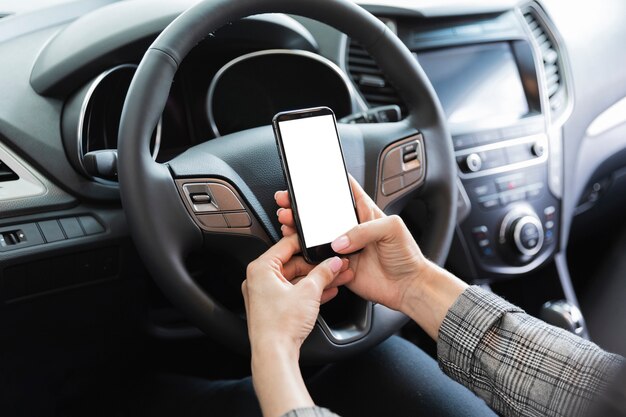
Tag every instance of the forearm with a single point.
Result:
(482, 337)
(518, 364)
(277, 379)
(430, 296)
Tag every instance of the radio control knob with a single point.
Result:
(538, 149)
(527, 234)
(473, 163)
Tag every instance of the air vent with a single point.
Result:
(369, 79)
(553, 72)
(6, 173)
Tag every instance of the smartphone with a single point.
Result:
(315, 171)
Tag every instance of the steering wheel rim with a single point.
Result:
(165, 231)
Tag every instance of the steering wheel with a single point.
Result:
(218, 196)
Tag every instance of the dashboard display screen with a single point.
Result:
(477, 83)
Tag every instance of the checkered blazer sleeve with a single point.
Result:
(310, 412)
(518, 364)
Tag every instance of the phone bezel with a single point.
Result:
(314, 254)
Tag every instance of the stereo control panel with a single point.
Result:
(511, 227)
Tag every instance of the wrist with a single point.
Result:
(430, 295)
(415, 292)
(275, 348)
(276, 377)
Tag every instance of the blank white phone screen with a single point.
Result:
(318, 177)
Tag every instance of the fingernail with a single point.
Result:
(276, 195)
(278, 211)
(340, 243)
(335, 264)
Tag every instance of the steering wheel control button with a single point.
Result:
(410, 148)
(224, 198)
(228, 213)
(401, 169)
(213, 220)
(393, 185)
(411, 156)
(51, 231)
(413, 164)
(392, 165)
(201, 198)
(237, 220)
(408, 157)
(412, 177)
(403, 159)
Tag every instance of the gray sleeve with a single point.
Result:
(310, 412)
(518, 364)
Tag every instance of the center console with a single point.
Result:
(491, 89)
(510, 221)
(502, 84)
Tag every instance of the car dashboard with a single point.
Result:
(502, 77)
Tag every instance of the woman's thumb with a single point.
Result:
(324, 273)
(365, 233)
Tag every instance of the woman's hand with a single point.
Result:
(389, 260)
(390, 269)
(283, 294)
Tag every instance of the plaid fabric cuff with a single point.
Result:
(467, 321)
(310, 412)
